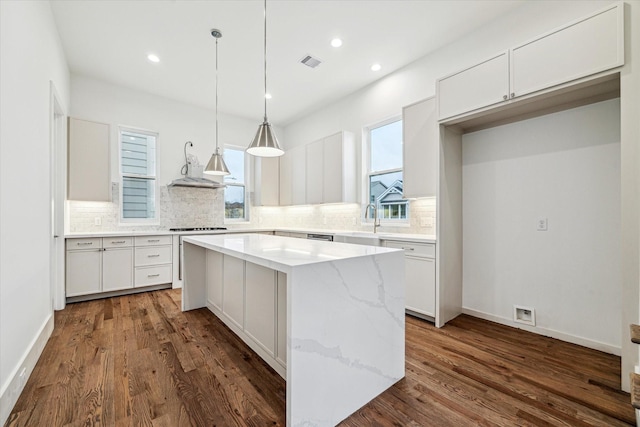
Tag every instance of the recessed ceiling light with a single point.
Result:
(336, 42)
(153, 58)
(267, 95)
(376, 67)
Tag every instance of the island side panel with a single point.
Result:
(346, 336)
(194, 289)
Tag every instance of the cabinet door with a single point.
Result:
(584, 47)
(214, 278)
(233, 289)
(420, 149)
(88, 167)
(420, 276)
(281, 323)
(476, 87)
(267, 181)
(260, 306)
(298, 176)
(117, 269)
(286, 184)
(84, 272)
(315, 172)
(332, 170)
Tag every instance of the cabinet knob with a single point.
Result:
(504, 97)
(513, 94)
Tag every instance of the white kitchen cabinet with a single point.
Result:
(266, 181)
(83, 271)
(281, 321)
(293, 177)
(233, 289)
(420, 149)
(477, 86)
(260, 306)
(579, 49)
(88, 168)
(214, 278)
(117, 269)
(315, 172)
(420, 276)
(153, 260)
(339, 168)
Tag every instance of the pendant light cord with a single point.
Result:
(217, 149)
(265, 61)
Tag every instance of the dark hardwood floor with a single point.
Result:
(139, 360)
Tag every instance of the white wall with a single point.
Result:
(564, 167)
(30, 56)
(174, 121)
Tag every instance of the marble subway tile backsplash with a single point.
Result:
(197, 207)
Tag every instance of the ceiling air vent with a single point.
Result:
(310, 61)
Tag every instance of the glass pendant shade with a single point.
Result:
(265, 143)
(216, 165)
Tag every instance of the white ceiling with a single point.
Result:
(110, 40)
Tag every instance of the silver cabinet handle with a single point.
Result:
(153, 275)
(85, 243)
(409, 249)
(115, 242)
(153, 240)
(153, 255)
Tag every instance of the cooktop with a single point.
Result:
(198, 229)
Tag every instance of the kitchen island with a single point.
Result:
(328, 317)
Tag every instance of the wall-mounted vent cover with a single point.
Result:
(310, 61)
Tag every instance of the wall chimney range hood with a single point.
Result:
(189, 181)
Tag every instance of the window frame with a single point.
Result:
(247, 176)
(366, 163)
(121, 176)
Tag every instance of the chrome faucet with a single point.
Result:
(376, 220)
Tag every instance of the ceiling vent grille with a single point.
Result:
(310, 61)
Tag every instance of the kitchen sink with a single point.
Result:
(358, 238)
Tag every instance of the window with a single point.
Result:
(234, 193)
(385, 171)
(138, 175)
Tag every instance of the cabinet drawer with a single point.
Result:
(88, 243)
(153, 240)
(426, 250)
(156, 275)
(117, 242)
(153, 255)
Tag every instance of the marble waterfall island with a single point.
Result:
(327, 316)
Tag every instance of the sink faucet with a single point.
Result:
(376, 220)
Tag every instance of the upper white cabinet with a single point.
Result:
(266, 182)
(293, 177)
(339, 168)
(420, 149)
(579, 49)
(584, 47)
(315, 172)
(475, 87)
(88, 177)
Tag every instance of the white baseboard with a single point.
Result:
(585, 342)
(14, 386)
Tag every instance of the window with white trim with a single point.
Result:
(138, 175)
(235, 194)
(384, 175)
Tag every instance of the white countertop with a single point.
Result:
(418, 238)
(282, 253)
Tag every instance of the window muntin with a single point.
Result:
(384, 178)
(235, 195)
(138, 175)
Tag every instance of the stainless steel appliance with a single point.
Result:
(325, 237)
(191, 229)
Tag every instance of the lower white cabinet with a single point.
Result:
(84, 272)
(117, 269)
(233, 289)
(214, 278)
(260, 306)
(281, 321)
(420, 276)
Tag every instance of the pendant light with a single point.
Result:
(265, 143)
(216, 165)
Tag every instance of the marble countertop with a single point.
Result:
(282, 253)
(407, 237)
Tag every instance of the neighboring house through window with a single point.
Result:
(385, 171)
(235, 194)
(138, 175)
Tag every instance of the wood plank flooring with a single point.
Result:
(138, 360)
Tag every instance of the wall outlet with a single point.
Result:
(97, 220)
(526, 315)
(541, 224)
